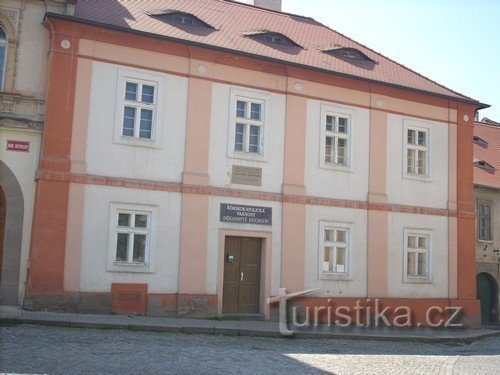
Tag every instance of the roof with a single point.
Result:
(232, 20)
(488, 153)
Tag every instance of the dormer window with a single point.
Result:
(484, 165)
(182, 19)
(270, 37)
(480, 142)
(347, 53)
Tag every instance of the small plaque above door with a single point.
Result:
(246, 175)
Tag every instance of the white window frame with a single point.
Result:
(5, 43)
(428, 250)
(337, 111)
(490, 205)
(326, 225)
(250, 97)
(417, 127)
(149, 264)
(140, 78)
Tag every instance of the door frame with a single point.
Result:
(265, 266)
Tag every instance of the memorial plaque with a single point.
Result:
(246, 175)
(242, 214)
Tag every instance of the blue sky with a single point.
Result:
(453, 42)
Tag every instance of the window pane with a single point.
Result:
(340, 261)
(122, 247)
(422, 138)
(241, 108)
(411, 264)
(341, 151)
(341, 236)
(239, 137)
(141, 221)
(411, 136)
(421, 162)
(255, 110)
(422, 242)
(128, 121)
(330, 123)
(328, 150)
(412, 241)
(148, 94)
(254, 139)
(422, 264)
(410, 162)
(328, 259)
(123, 220)
(146, 123)
(139, 248)
(131, 91)
(329, 235)
(342, 125)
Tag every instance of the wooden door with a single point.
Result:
(484, 295)
(241, 292)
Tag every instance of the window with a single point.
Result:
(273, 39)
(484, 221)
(335, 247)
(3, 56)
(132, 238)
(183, 20)
(248, 126)
(417, 253)
(417, 151)
(336, 139)
(139, 112)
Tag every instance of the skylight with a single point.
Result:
(185, 20)
(271, 37)
(347, 53)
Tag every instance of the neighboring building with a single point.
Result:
(23, 64)
(200, 155)
(487, 199)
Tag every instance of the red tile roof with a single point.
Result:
(489, 153)
(232, 20)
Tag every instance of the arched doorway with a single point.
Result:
(11, 231)
(487, 295)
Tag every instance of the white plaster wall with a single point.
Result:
(220, 165)
(493, 197)
(438, 286)
(106, 158)
(24, 166)
(432, 192)
(94, 277)
(214, 226)
(338, 184)
(357, 285)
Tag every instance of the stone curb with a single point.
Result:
(213, 329)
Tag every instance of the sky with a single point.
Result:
(453, 42)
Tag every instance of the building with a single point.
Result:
(487, 199)
(200, 155)
(23, 51)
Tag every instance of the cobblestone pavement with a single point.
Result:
(56, 350)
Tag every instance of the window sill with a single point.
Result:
(130, 267)
(337, 167)
(485, 241)
(137, 142)
(417, 177)
(247, 156)
(417, 280)
(335, 277)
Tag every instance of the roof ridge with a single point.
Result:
(395, 62)
(479, 123)
(235, 2)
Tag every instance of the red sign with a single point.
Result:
(21, 146)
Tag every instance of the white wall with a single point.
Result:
(24, 166)
(438, 285)
(357, 219)
(106, 158)
(94, 277)
(214, 226)
(432, 192)
(220, 165)
(337, 184)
